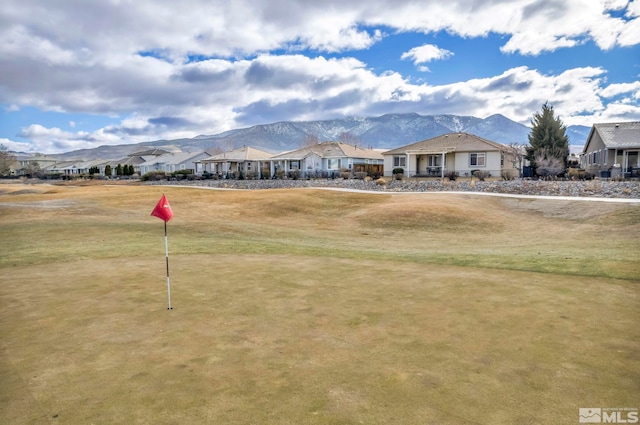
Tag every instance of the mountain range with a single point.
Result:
(384, 132)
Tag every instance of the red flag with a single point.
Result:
(163, 210)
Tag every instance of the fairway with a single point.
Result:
(306, 306)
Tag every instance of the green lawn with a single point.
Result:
(314, 307)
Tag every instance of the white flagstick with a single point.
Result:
(166, 250)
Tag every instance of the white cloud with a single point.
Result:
(426, 53)
(616, 89)
(300, 88)
(135, 61)
(17, 146)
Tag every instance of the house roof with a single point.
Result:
(622, 135)
(150, 152)
(460, 142)
(173, 158)
(331, 150)
(245, 153)
(130, 160)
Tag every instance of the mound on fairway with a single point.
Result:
(314, 307)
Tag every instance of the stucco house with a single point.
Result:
(173, 161)
(134, 159)
(74, 168)
(328, 158)
(612, 149)
(454, 152)
(246, 159)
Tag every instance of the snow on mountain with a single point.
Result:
(383, 132)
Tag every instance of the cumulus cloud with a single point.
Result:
(426, 53)
(182, 69)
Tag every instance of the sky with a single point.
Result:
(78, 74)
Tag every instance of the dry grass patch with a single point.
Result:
(299, 307)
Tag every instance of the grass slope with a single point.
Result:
(313, 307)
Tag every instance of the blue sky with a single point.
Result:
(78, 75)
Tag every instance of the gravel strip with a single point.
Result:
(590, 189)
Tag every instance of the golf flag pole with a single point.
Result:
(163, 211)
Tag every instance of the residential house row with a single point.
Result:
(609, 148)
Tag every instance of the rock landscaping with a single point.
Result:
(591, 188)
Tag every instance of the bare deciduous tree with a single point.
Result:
(350, 139)
(516, 153)
(309, 140)
(7, 160)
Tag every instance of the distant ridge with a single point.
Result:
(384, 132)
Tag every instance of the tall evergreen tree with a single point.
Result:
(547, 138)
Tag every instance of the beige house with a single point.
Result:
(612, 149)
(246, 160)
(461, 153)
(173, 161)
(327, 159)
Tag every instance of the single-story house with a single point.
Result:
(174, 161)
(134, 159)
(328, 158)
(461, 153)
(245, 160)
(612, 148)
(75, 168)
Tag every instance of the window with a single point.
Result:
(477, 159)
(294, 165)
(333, 164)
(400, 161)
(434, 160)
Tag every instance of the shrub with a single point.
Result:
(510, 174)
(481, 174)
(381, 182)
(154, 176)
(579, 174)
(294, 174)
(360, 175)
(451, 175)
(398, 170)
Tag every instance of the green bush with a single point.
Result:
(398, 170)
(154, 176)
